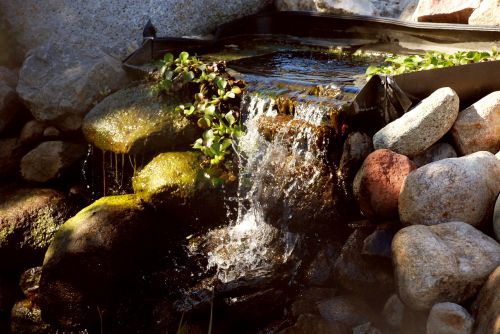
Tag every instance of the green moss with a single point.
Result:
(172, 175)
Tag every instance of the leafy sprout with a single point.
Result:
(431, 60)
(215, 105)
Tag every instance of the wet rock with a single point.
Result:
(309, 323)
(60, 82)
(394, 311)
(29, 219)
(436, 152)
(306, 301)
(496, 218)
(92, 260)
(454, 11)
(486, 308)
(29, 283)
(363, 7)
(378, 182)
(321, 270)
(357, 146)
(462, 258)
(136, 120)
(488, 13)
(455, 189)
(348, 310)
(449, 318)
(477, 127)
(11, 152)
(369, 276)
(50, 160)
(8, 76)
(116, 28)
(26, 318)
(424, 125)
(32, 132)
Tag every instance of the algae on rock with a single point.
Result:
(137, 120)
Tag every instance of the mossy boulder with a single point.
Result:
(29, 218)
(137, 120)
(93, 258)
(177, 182)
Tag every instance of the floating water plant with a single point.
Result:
(431, 60)
(216, 102)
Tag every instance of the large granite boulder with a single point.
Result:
(455, 189)
(116, 26)
(486, 308)
(424, 125)
(445, 11)
(29, 218)
(446, 318)
(60, 82)
(488, 13)
(477, 127)
(92, 258)
(446, 262)
(137, 120)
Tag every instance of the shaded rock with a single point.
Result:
(136, 120)
(9, 77)
(378, 182)
(60, 82)
(369, 276)
(29, 283)
(449, 318)
(394, 311)
(486, 308)
(363, 7)
(309, 323)
(320, 271)
(32, 132)
(11, 152)
(455, 189)
(114, 27)
(488, 13)
(306, 301)
(348, 310)
(50, 160)
(496, 218)
(477, 127)
(29, 219)
(462, 258)
(422, 126)
(449, 11)
(9, 106)
(436, 152)
(379, 242)
(26, 318)
(366, 328)
(9, 292)
(357, 146)
(51, 132)
(92, 259)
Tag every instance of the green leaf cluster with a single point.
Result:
(215, 106)
(431, 60)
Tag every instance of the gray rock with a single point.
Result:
(436, 152)
(357, 146)
(366, 328)
(379, 242)
(32, 132)
(462, 258)
(320, 271)
(307, 300)
(496, 218)
(29, 219)
(363, 7)
(116, 26)
(348, 310)
(455, 189)
(488, 13)
(394, 311)
(50, 160)
(477, 127)
(486, 308)
(136, 120)
(60, 82)
(424, 125)
(449, 318)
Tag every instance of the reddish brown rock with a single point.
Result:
(378, 182)
(487, 306)
(445, 11)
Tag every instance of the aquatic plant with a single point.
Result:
(405, 64)
(215, 106)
